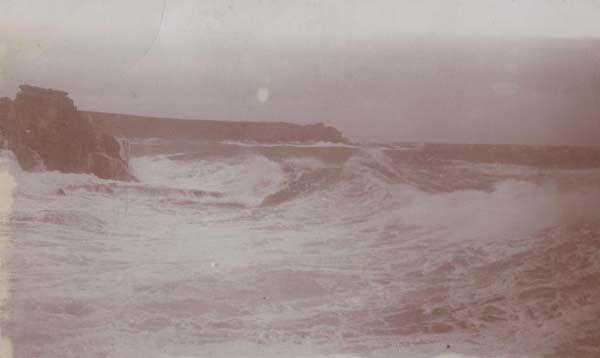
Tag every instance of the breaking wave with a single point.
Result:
(232, 250)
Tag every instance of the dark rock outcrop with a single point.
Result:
(130, 126)
(28, 158)
(45, 130)
(6, 117)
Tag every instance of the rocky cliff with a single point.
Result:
(130, 126)
(45, 130)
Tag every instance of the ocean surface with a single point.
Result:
(244, 250)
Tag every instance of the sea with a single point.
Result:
(228, 249)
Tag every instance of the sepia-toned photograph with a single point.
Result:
(302, 179)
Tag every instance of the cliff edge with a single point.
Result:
(130, 126)
(45, 131)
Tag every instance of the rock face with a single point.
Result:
(6, 112)
(45, 130)
(28, 158)
(130, 126)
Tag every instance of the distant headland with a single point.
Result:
(132, 126)
(45, 131)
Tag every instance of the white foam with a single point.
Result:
(247, 179)
(143, 276)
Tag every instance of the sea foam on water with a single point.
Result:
(303, 251)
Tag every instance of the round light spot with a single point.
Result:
(262, 95)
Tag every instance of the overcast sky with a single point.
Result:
(378, 70)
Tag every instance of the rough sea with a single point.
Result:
(245, 250)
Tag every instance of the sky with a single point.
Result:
(520, 71)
